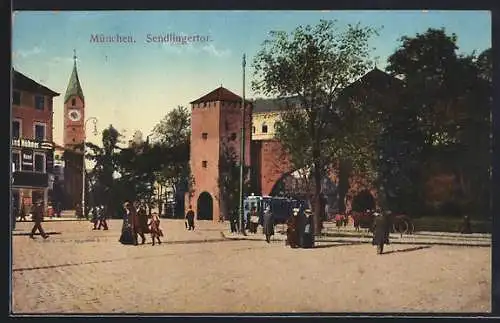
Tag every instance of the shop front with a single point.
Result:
(32, 163)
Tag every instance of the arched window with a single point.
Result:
(264, 128)
(253, 129)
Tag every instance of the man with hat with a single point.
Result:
(381, 230)
(38, 218)
(268, 224)
(307, 230)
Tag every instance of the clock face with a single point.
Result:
(74, 115)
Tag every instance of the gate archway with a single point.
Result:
(205, 206)
(363, 201)
(299, 184)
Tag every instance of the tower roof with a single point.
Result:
(219, 94)
(74, 87)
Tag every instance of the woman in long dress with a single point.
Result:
(127, 236)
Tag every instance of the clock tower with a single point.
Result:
(74, 111)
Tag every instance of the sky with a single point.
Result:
(134, 85)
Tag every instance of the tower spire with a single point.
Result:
(74, 88)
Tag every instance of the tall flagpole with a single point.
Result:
(242, 153)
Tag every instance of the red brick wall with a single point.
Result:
(220, 120)
(274, 162)
(205, 118)
(74, 132)
(28, 115)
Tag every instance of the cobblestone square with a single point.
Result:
(77, 270)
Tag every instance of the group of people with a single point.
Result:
(300, 229)
(99, 218)
(137, 223)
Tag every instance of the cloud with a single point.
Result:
(212, 50)
(193, 48)
(21, 53)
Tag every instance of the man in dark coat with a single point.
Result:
(234, 221)
(190, 218)
(141, 224)
(268, 224)
(466, 227)
(292, 232)
(38, 218)
(101, 213)
(381, 230)
(307, 230)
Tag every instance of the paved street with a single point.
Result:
(78, 270)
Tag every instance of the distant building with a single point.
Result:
(32, 147)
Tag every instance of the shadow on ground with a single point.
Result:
(36, 234)
(407, 250)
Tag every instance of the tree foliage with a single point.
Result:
(104, 189)
(172, 134)
(229, 180)
(447, 103)
(313, 64)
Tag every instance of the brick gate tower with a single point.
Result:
(215, 125)
(74, 134)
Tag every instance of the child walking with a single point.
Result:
(154, 228)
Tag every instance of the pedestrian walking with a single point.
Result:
(101, 216)
(58, 209)
(292, 233)
(307, 230)
(465, 228)
(22, 213)
(141, 222)
(234, 221)
(268, 224)
(381, 230)
(127, 235)
(190, 219)
(155, 229)
(95, 217)
(37, 219)
(50, 210)
(78, 211)
(254, 220)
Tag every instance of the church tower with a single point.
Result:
(74, 111)
(74, 134)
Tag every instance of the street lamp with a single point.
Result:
(242, 154)
(94, 120)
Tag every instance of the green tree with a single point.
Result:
(448, 94)
(104, 190)
(172, 135)
(140, 164)
(314, 64)
(228, 181)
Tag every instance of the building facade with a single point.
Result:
(32, 147)
(215, 126)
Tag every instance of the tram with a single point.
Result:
(281, 207)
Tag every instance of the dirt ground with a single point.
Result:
(82, 271)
